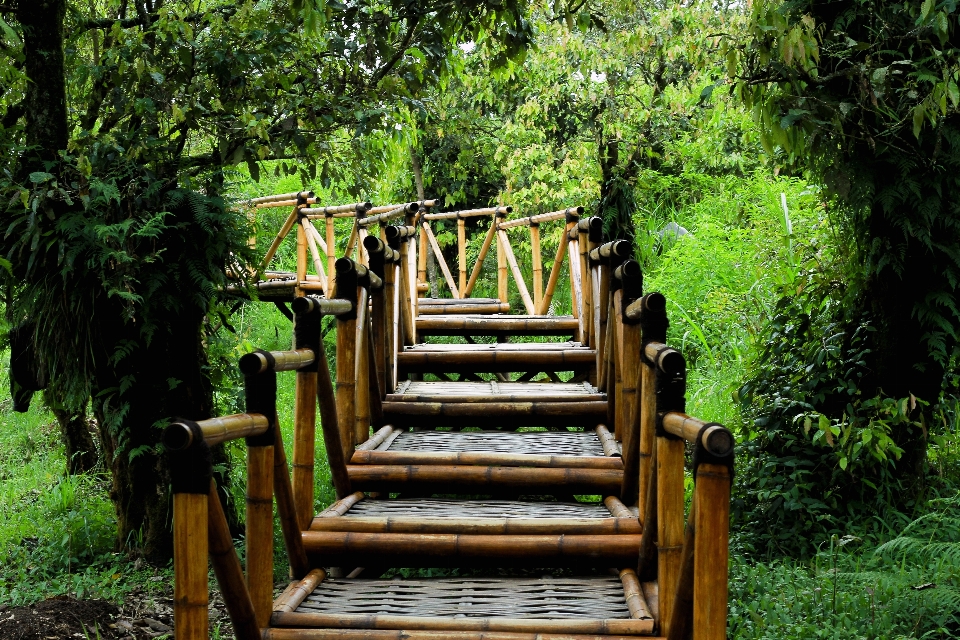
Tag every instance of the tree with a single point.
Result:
(120, 120)
(863, 97)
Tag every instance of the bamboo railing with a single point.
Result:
(374, 295)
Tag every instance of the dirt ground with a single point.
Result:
(141, 617)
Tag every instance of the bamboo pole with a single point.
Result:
(479, 526)
(469, 213)
(406, 311)
(304, 443)
(586, 285)
(466, 307)
(537, 265)
(542, 217)
(406, 634)
(178, 435)
(497, 325)
(284, 230)
(299, 591)
(190, 546)
(351, 241)
(629, 393)
(361, 429)
(670, 494)
(478, 265)
(502, 284)
(422, 256)
(462, 253)
(373, 383)
(351, 209)
(555, 271)
(346, 382)
(576, 291)
(647, 564)
(441, 261)
(226, 566)
(280, 196)
(327, 399)
(517, 274)
(390, 327)
(647, 419)
(286, 203)
(309, 232)
(603, 288)
(413, 290)
(494, 360)
(680, 624)
(260, 530)
(454, 478)
(613, 377)
(485, 458)
(301, 260)
(331, 257)
(290, 523)
(715, 438)
(711, 555)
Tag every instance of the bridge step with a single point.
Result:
(466, 608)
(495, 325)
(468, 479)
(435, 306)
(493, 357)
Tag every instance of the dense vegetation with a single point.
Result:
(809, 149)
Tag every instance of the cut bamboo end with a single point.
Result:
(715, 438)
(263, 361)
(180, 435)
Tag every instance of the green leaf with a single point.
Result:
(40, 176)
(919, 112)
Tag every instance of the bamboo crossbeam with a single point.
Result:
(409, 207)
(280, 196)
(413, 627)
(479, 526)
(450, 301)
(408, 634)
(485, 397)
(574, 412)
(441, 261)
(352, 209)
(484, 458)
(467, 213)
(466, 307)
(299, 591)
(493, 360)
(653, 302)
(716, 438)
(454, 478)
(617, 249)
(262, 361)
(608, 441)
(497, 325)
(517, 274)
(451, 549)
(179, 436)
(542, 217)
(325, 306)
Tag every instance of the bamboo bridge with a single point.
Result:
(539, 474)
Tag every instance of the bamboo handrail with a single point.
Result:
(619, 249)
(542, 217)
(261, 361)
(714, 437)
(280, 196)
(468, 213)
(179, 436)
(324, 306)
(286, 203)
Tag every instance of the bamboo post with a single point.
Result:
(585, 277)
(347, 357)
(422, 256)
(711, 555)
(304, 438)
(630, 366)
(311, 238)
(406, 311)
(378, 324)
(502, 284)
(603, 342)
(413, 291)
(327, 401)
(361, 428)
(515, 268)
(576, 292)
(537, 265)
(259, 534)
(670, 458)
(653, 328)
(226, 567)
(374, 390)
(440, 259)
(478, 265)
(301, 258)
(612, 375)
(390, 328)
(331, 256)
(462, 254)
(191, 484)
(555, 270)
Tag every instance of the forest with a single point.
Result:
(788, 173)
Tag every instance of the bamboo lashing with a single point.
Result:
(468, 213)
(517, 274)
(179, 436)
(438, 254)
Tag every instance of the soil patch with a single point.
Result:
(63, 618)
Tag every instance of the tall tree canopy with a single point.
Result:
(120, 120)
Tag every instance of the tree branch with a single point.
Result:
(402, 49)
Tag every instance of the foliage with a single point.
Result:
(908, 587)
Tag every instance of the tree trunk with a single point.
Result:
(80, 451)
